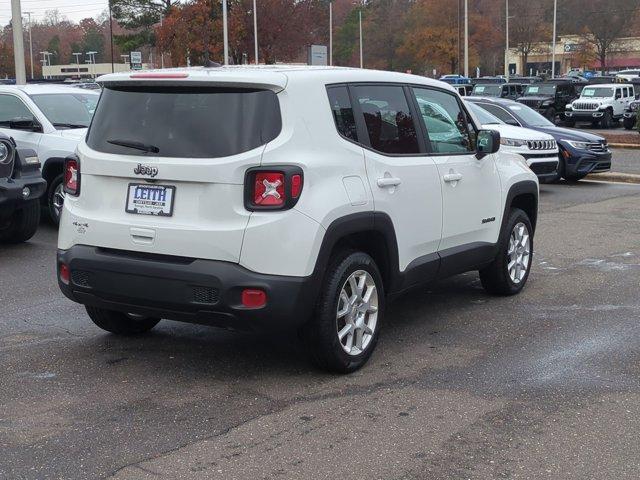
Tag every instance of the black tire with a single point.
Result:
(495, 278)
(570, 123)
(321, 334)
(629, 123)
(550, 114)
(120, 323)
(607, 119)
(54, 213)
(23, 225)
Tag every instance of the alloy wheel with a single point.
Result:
(357, 312)
(519, 253)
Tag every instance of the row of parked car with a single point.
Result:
(565, 100)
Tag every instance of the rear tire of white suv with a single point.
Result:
(120, 323)
(508, 273)
(344, 330)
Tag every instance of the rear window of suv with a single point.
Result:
(190, 122)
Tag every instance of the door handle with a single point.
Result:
(388, 182)
(452, 177)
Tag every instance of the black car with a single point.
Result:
(525, 80)
(505, 90)
(630, 115)
(463, 90)
(581, 153)
(21, 185)
(549, 98)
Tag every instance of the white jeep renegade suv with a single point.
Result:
(298, 197)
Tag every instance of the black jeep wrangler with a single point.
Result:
(21, 185)
(549, 98)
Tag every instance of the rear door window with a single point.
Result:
(388, 119)
(343, 112)
(201, 122)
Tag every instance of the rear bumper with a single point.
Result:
(185, 289)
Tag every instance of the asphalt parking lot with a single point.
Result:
(545, 385)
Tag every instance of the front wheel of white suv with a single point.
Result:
(508, 273)
(344, 330)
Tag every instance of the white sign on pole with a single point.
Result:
(318, 55)
(136, 60)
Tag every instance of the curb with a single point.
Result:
(615, 177)
(629, 146)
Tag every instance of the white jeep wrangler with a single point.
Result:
(603, 104)
(296, 197)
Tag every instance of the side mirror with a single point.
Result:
(25, 123)
(488, 142)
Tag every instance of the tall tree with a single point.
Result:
(606, 22)
(139, 17)
(526, 30)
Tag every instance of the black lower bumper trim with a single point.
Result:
(191, 290)
(11, 190)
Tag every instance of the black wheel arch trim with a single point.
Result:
(526, 187)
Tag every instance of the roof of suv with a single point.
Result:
(275, 77)
(44, 88)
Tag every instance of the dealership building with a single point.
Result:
(85, 70)
(572, 52)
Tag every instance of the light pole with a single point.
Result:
(111, 35)
(225, 32)
(553, 47)
(77, 55)
(360, 19)
(330, 32)
(506, 47)
(18, 42)
(255, 31)
(30, 44)
(466, 38)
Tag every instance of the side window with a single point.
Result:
(12, 108)
(387, 118)
(343, 112)
(502, 114)
(445, 120)
(618, 93)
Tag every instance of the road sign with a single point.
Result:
(317, 55)
(136, 60)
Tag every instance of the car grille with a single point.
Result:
(529, 103)
(598, 147)
(81, 278)
(544, 168)
(585, 106)
(206, 295)
(541, 144)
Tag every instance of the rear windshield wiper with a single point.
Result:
(136, 145)
(69, 125)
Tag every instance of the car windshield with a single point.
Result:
(67, 110)
(597, 92)
(487, 90)
(540, 90)
(483, 116)
(529, 117)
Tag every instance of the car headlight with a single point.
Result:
(578, 145)
(512, 142)
(6, 152)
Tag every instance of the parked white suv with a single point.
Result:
(50, 119)
(299, 197)
(540, 150)
(602, 104)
